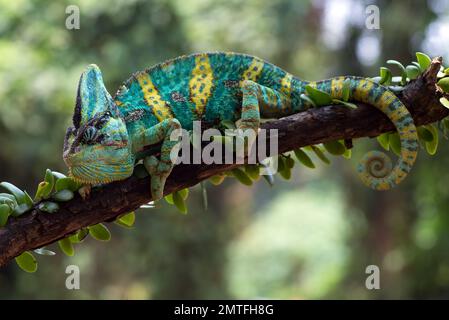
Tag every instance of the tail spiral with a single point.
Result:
(375, 168)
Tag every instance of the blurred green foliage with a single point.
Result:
(310, 237)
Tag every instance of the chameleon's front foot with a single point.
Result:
(84, 191)
(159, 171)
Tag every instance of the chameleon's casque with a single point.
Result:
(108, 134)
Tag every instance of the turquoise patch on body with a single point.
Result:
(173, 80)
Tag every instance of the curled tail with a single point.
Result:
(375, 168)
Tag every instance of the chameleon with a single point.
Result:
(109, 134)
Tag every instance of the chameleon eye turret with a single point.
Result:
(97, 147)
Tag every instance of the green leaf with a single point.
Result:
(253, 171)
(44, 252)
(169, 198)
(395, 143)
(346, 104)
(66, 183)
(241, 176)
(423, 60)
(20, 196)
(385, 76)
(50, 178)
(347, 154)
(402, 68)
(5, 211)
(217, 179)
(286, 172)
(99, 232)
(432, 146)
(416, 64)
(346, 89)
(384, 140)
(425, 134)
(28, 199)
(126, 220)
(444, 84)
(66, 246)
(306, 98)
(58, 175)
(184, 193)
(304, 158)
(41, 190)
(320, 154)
(63, 195)
(20, 209)
(335, 148)
(289, 162)
(48, 206)
(27, 262)
(79, 236)
(320, 98)
(444, 102)
(8, 199)
(179, 202)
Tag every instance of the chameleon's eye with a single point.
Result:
(102, 120)
(89, 135)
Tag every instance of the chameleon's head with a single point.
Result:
(97, 148)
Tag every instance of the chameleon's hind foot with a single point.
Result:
(159, 172)
(84, 191)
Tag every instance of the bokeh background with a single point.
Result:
(311, 237)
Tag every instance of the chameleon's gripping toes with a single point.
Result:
(109, 134)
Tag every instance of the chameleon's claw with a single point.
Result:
(84, 191)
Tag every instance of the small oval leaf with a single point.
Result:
(179, 202)
(48, 206)
(126, 220)
(99, 232)
(27, 262)
(335, 148)
(63, 195)
(66, 246)
(320, 97)
(423, 60)
(241, 176)
(5, 211)
(304, 158)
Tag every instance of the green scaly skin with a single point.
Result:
(109, 134)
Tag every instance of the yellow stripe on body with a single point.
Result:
(385, 100)
(337, 87)
(253, 71)
(159, 107)
(286, 85)
(201, 83)
(363, 89)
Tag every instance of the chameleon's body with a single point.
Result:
(109, 133)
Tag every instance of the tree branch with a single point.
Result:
(36, 229)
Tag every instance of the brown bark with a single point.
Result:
(36, 229)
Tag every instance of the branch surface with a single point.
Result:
(36, 229)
